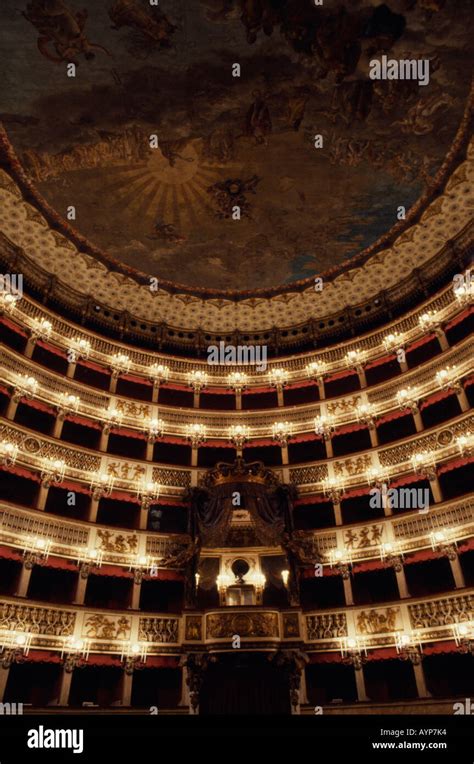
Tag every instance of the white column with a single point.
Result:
(462, 398)
(348, 596)
(442, 339)
(43, 495)
(58, 425)
(104, 438)
(71, 369)
(337, 512)
(126, 694)
(360, 685)
(185, 699)
(374, 439)
(80, 590)
(362, 378)
(458, 575)
(329, 447)
(30, 346)
(436, 489)
(421, 688)
(12, 406)
(135, 599)
(4, 672)
(65, 687)
(24, 581)
(149, 450)
(402, 583)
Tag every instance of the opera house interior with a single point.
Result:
(236, 358)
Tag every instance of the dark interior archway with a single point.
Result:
(247, 683)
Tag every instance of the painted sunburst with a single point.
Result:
(172, 186)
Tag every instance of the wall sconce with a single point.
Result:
(197, 578)
(441, 542)
(464, 293)
(447, 379)
(41, 329)
(316, 370)
(377, 476)
(140, 565)
(158, 373)
(464, 636)
(285, 576)
(324, 426)
(278, 378)
(429, 321)
(133, 656)
(14, 647)
(354, 359)
(197, 380)
(68, 404)
(25, 387)
(424, 463)
(147, 491)
(8, 453)
(53, 471)
(120, 364)
(365, 414)
(281, 432)
(196, 433)
(89, 560)
(342, 560)
(155, 429)
(391, 555)
(81, 348)
(353, 652)
(8, 303)
(407, 398)
(333, 489)
(238, 381)
(465, 444)
(75, 653)
(409, 647)
(393, 341)
(36, 552)
(101, 485)
(239, 434)
(112, 418)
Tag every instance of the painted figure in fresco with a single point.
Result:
(62, 29)
(258, 122)
(260, 15)
(151, 23)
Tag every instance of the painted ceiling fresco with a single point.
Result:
(226, 141)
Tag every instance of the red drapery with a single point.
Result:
(459, 318)
(52, 348)
(14, 327)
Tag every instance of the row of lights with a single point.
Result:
(120, 363)
(391, 552)
(53, 470)
(407, 644)
(447, 379)
(15, 647)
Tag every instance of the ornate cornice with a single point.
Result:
(385, 276)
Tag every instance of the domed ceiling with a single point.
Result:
(226, 141)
